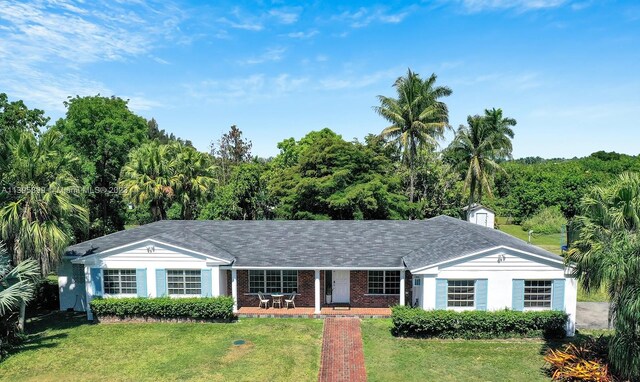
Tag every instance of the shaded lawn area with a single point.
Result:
(65, 348)
(389, 358)
(551, 243)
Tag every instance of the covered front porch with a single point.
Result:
(307, 312)
(319, 291)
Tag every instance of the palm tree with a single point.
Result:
(147, 177)
(17, 287)
(38, 220)
(192, 178)
(477, 149)
(607, 253)
(418, 118)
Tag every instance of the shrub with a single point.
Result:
(475, 324)
(197, 308)
(580, 362)
(545, 221)
(47, 296)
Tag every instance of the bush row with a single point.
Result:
(198, 308)
(474, 324)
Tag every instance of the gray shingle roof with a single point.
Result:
(372, 243)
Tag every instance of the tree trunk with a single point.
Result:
(21, 319)
(472, 190)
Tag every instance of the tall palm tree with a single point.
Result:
(478, 147)
(607, 253)
(418, 118)
(192, 178)
(147, 177)
(45, 206)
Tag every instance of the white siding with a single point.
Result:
(71, 291)
(500, 267)
(140, 257)
(476, 217)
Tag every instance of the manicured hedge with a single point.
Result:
(198, 308)
(474, 324)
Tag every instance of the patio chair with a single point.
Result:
(290, 300)
(263, 300)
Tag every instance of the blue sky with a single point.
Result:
(568, 71)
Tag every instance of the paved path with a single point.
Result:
(342, 355)
(592, 315)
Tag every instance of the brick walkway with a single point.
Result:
(342, 355)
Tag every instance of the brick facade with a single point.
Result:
(306, 293)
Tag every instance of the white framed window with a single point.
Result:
(383, 282)
(537, 293)
(417, 281)
(461, 293)
(273, 281)
(119, 281)
(184, 282)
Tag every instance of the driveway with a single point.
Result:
(592, 315)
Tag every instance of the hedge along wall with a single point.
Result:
(475, 324)
(163, 309)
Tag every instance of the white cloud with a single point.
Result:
(365, 16)
(303, 35)
(351, 81)
(253, 88)
(286, 15)
(269, 55)
(518, 5)
(44, 44)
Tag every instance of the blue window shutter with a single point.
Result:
(161, 283)
(141, 282)
(205, 277)
(517, 300)
(441, 293)
(481, 294)
(557, 299)
(96, 281)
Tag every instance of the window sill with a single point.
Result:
(123, 295)
(382, 294)
(269, 294)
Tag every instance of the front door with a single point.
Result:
(340, 293)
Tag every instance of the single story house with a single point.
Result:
(439, 263)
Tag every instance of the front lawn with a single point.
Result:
(401, 359)
(65, 348)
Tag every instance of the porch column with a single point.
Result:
(317, 290)
(234, 289)
(402, 274)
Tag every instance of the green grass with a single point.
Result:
(65, 348)
(402, 359)
(551, 243)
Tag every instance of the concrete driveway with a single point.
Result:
(592, 315)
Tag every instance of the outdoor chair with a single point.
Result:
(290, 300)
(263, 300)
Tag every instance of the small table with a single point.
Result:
(277, 299)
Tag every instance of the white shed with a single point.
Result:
(481, 215)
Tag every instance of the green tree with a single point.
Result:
(245, 197)
(335, 179)
(232, 149)
(45, 205)
(146, 178)
(17, 288)
(418, 118)
(477, 149)
(607, 253)
(192, 178)
(103, 131)
(15, 117)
